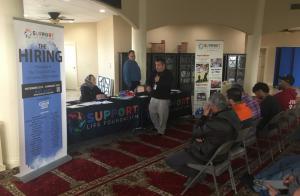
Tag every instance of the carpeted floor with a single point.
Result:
(130, 165)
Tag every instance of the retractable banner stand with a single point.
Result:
(208, 72)
(42, 109)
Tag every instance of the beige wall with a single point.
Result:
(238, 14)
(270, 42)
(9, 111)
(84, 35)
(122, 43)
(105, 35)
(130, 11)
(234, 40)
(281, 39)
(233, 13)
(114, 36)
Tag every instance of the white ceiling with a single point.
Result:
(80, 10)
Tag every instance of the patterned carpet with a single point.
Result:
(132, 165)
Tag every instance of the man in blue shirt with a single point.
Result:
(131, 72)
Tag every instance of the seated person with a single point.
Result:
(234, 96)
(218, 125)
(249, 101)
(286, 97)
(287, 168)
(90, 91)
(269, 107)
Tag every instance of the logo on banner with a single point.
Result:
(29, 33)
(209, 46)
(44, 104)
(79, 121)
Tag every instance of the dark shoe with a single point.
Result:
(247, 180)
(154, 129)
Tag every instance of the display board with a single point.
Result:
(42, 109)
(208, 72)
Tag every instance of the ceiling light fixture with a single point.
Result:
(102, 11)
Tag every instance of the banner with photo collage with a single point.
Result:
(208, 72)
(42, 108)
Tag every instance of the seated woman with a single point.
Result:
(90, 91)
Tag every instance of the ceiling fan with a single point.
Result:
(291, 30)
(55, 17)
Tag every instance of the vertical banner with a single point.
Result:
(42, 109)
(208, 72)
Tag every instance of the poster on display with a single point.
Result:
(208, 72)
(42, 109)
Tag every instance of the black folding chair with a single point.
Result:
(214, 169)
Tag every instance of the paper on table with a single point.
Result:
(74, 106)
(175, 90)
(95, 103)
(105, 102)
(88, 103)
(143, 96)
(123, 98)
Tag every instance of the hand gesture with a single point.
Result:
(288, 180)
(100, 96)
(148, 89)
(272, 191)
(206, 109)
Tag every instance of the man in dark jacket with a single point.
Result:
(218, 125)
(159, 85)
(269, 107)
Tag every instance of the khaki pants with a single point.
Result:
(159, 113)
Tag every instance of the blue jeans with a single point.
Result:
(286, 165)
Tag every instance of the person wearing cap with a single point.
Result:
(287, 96)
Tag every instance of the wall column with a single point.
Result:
(8, 82)
(139, 40)
(253, 48)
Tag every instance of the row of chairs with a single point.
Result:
(283, 126)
